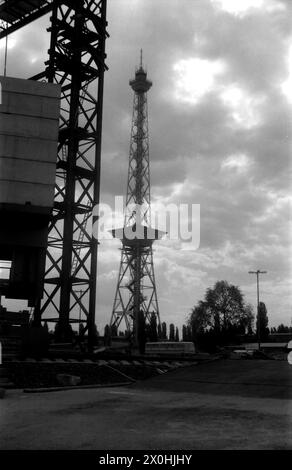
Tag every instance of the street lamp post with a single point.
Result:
(258, 272)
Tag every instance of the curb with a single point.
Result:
(74, 387)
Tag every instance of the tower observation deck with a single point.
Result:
(135, 303)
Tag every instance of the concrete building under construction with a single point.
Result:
(29, 123)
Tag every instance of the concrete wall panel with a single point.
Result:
(37, 106)
(13, 169)
(27, 148)
(17, 192)
(29, 125)
(31, 87)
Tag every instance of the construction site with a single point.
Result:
(51, 130)
(147, 392)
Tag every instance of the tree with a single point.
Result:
(159, 331)
(95, 331)
(81, 329)
(152, 329)
(163, 331)
(248, 321)
(114, 330)
(171, 332)
(220, 316)
(282, 329)
(176, 334)
(107, 335)
(189, 333)
(262, 322)
(46, 328)
(94, 335)
(225, 306)
(199, 318)
(184, 333)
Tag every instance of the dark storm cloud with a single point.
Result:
(252, 48)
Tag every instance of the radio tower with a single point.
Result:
(135, 303)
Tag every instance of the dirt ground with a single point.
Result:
(226, 404)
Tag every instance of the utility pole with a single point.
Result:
(258, 272)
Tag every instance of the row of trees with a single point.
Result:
(187, 333)
(151, 332)
(281, 329)
(216, 320)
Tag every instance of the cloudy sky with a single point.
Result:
(220, 136)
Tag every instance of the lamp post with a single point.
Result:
(258, 272)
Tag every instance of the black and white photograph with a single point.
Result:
(145, 229)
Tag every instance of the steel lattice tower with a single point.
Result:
(135, 301)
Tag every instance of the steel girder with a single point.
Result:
(77, 63)
(19, 13)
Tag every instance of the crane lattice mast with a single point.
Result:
(76, 61)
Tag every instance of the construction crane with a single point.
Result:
(76, 62)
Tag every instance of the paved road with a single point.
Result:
(220, 405)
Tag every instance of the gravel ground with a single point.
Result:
(227, 404)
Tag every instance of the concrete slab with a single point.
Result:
(29, 126)
(29, 87)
